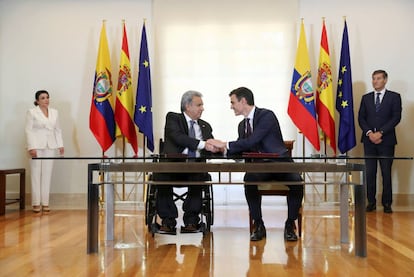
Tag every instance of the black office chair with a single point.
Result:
(207, 210)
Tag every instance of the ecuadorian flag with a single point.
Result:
(101, 117)
(301, 107)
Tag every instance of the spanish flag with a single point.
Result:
(124, 105)
(301, 108)
(101, 117)
(325, 97)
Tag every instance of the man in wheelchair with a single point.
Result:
(185, 135)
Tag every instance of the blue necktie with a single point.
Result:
(377, 102)
(191, 134)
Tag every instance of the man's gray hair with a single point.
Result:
(187, 98)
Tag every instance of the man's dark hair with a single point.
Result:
(243, 92)
(380, 71)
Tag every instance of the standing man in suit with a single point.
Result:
(185, 133)
(379, 114)
(260, 132)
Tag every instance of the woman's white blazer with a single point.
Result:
(43, 132)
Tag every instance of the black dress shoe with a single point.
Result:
(371, 207)
(167, 229)
(259, 232)
(190, 228)
(289, 233)
(387, 209)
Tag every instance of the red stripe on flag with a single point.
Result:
(99, 128)
(301, 117)
(329, 122)
(123, 119)
(324, 40)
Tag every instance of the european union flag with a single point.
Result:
(143, 104)
(344, 98)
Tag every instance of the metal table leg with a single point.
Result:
(93, 212)
(360, 220)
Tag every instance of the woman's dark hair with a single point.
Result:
(37, 95)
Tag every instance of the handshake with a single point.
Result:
(215, 146)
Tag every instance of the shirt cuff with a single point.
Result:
(201, 145)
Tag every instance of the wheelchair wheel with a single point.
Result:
(208, 207)
(150, 210)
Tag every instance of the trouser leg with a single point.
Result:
(254, 201)
(165, 205)
(371, 173)
(46, 176)
(35, 171)
(294, 201)
(386, 166)
(192, 205)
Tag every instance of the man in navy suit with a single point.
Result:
(179, 140)
(378, 115)
(260, 132)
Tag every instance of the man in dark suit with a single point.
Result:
(185, 133)
(378, 115)
(260, 132)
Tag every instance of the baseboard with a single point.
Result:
(78, 201)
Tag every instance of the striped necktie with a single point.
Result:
(377, 102)
(191, 134)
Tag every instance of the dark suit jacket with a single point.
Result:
(385, 120)
(266, 136)
(176, 137)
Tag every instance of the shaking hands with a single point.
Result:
(215, 145)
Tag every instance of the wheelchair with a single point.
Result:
(151, 216)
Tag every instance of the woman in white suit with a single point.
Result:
(44, 139)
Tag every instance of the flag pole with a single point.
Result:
(102, 180)
(123, 147)
(303, 160)
(123, 172)
(351, 197)
(325, 177)
(144, 142)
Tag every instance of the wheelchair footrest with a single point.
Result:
(156, 228)
(199, 228)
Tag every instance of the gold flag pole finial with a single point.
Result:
(344, 17)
